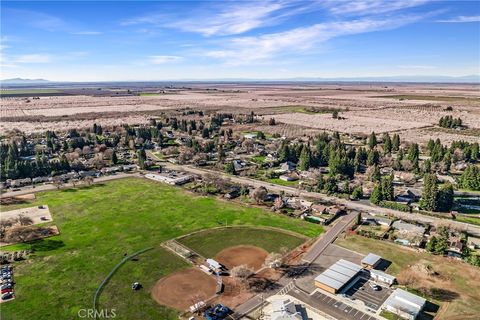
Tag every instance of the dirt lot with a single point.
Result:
(235, 256)
(182, 289)
(35, 213)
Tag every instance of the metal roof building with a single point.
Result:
(371, 260)
(405, 304)
(337, 276)
(381, 276)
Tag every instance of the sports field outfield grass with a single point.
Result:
(98, 225)
(210, 242)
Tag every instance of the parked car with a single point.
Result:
(375, 287)
(6, 290)
(7, 296)
(6, 286)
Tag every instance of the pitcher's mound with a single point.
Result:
(184, 288)
(235, 256)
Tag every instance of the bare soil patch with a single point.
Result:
(184, 288)
(239, 255)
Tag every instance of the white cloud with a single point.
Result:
(228, 19)
(163, 59)
(462, 19)
(369, 7)
(245, 50)
(87, 33)
(33, 58)
(418, 67)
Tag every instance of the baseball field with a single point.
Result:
(99, 224)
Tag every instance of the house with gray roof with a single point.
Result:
(405, 304)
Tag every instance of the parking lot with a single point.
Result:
(362, 290)
(331, 306)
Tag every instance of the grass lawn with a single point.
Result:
(459, 280)
(150, 94)
(283, 182)
(210, 242)
(98, 224)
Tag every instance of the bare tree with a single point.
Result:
(4, 225)
(57, 182)
(241, 273)
(273, 260)
(259, 194)
(278, 203)
(88, 180)
(18, 234)
(24, 220)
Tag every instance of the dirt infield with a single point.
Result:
(182, 289)
(238, 255)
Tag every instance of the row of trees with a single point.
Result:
(450, 122)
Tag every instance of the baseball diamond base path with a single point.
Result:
(251, 256)
(183, 289)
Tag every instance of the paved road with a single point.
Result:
(363, 206)
(313, 253)
(48, 187)
(322, 243)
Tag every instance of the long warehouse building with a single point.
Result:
(337, 276)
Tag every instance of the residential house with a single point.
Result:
(408, 234)
(284, 309)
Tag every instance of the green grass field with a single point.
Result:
(28, 91)
(433, 98)
(210, 242)
(100, 223)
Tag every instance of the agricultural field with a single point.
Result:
(298, 108)
(101, 223)
(452, 284)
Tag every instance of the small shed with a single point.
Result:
(214, 265)
(371, 260)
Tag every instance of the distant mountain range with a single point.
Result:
(23, 81)
(413, 78)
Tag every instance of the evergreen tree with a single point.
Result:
(387, 143)
(114, 158)
(331, 186)
(220, 154)
(376, 196)
(305, 159)
(320, 184)
(230, 168)
(142, 157)
(470, 178)
(447, 160)
(387, 188)
(429, 200)
(373, 157)
(396, 142)
(427, 166)
(430, 246)
(284, 152)
(445, 197)
(376, 176)
(474, 152)
(372, 140)
(357, 193)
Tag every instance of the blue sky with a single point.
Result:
(162, 40)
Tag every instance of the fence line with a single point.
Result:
(104, 282)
